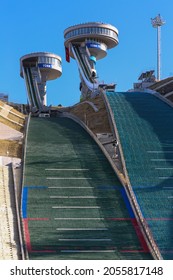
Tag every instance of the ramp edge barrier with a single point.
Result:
(154, 249)
(115, 133)
(19, 226)
(129, 191)
(25, 255)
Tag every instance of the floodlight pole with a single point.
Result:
(157, 22)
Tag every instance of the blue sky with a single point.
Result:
(37, 25)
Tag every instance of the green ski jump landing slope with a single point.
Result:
(73, 206)
(145, 127)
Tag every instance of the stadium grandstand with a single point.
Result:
(164, 87)
(12, 127)
(148, 82)
(92, 181)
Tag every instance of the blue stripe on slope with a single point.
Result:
(129, 208)
(24, 202)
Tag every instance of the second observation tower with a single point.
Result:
(87, 43)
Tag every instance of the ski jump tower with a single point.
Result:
(37, 69)
(87, 43)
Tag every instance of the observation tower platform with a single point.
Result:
(38, 68)
(97, 36)
(87, 43)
